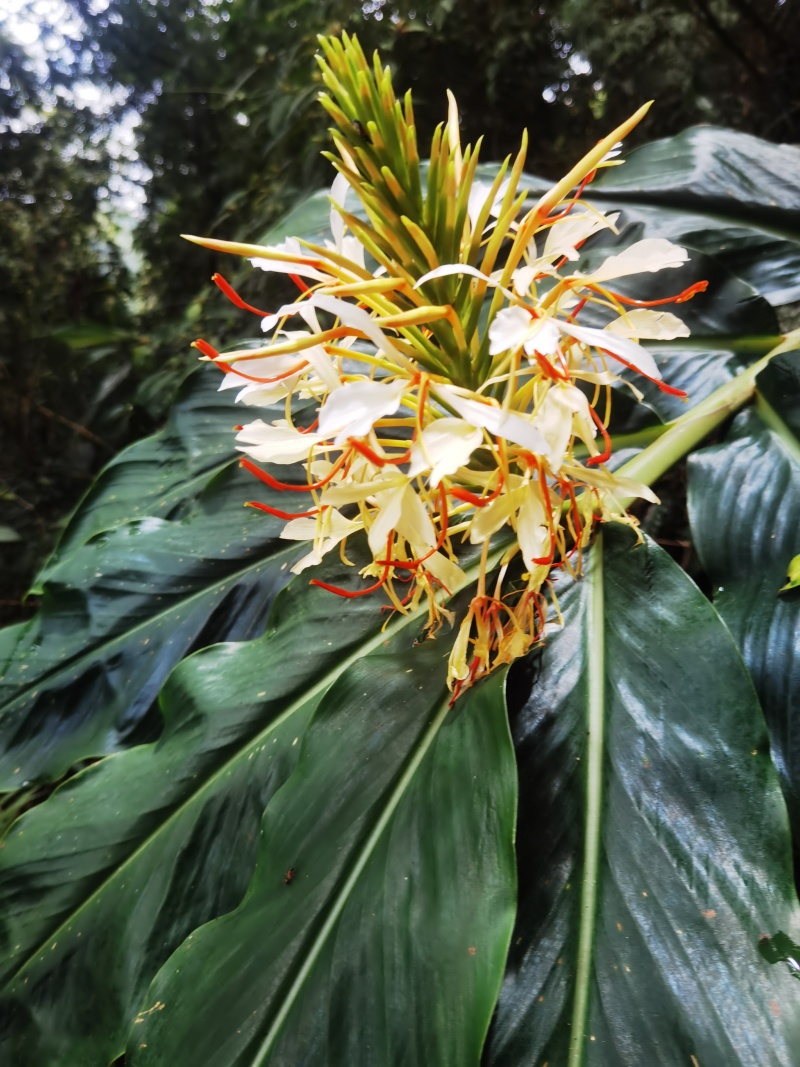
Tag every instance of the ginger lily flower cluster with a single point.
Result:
(458, 399)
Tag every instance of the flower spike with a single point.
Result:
(438, 333)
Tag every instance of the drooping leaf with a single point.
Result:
(732, 196)
(124, 601)
(387, 944)
(744, 509)
(100, 885)
(653, 844)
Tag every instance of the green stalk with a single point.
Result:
(681, 436)
(595, 727)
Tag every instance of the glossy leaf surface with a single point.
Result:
(744, 507)
(387, 944)
(653, 843)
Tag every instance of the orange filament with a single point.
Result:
(477, 501)
(287, 515)
(373, 457)
(234, 297)
(361, 592)
(601, 426)
(681, 298)
(273, 483)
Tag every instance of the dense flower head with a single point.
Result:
(459, 398)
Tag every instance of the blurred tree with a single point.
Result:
(727, 62)
(229, 137)
(63, 315)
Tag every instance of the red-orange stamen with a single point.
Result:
(361, 592)
(681, 298)
(477, 501)
(273, 483)
(287, 515)
(606, 455)
(234, 297)
(373, 457)
(670, 389)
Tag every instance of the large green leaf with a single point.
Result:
(125, 598)
(653, 843)
(744, 508)
(119, 613)
(102, 883)
(388, 944)
(730, 195)
(103, 886)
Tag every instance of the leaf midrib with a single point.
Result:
(357, 866)
(595, 719)
(109, 643)
(317, 690)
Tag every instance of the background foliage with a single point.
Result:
(164, 688)
(229, 136)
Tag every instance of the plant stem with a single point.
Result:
(681, 436)
(596, 691)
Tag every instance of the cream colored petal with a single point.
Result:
(647, 256)
(507, 424)
(652, 325)
(443, 447)
(564, 236)
(276, 444)
(354, 409)
(490, 519)
(390, 506)
(533, 532)
(351, 492)
(628, 351)
(260, 395)
(414, 523)
(508, 330)
(448, 573)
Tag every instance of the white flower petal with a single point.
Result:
(533, 532)
(351, 492)
(654, 325)
(414, 523)
(261, 395)
(323, 365)
(276, 444)
(479, 194)
(459, 268)
(522, 279)
(543, 336)
(326, 530)
(508, 329)
(358, 319)
(650, 255)
(354, 409)
(563, 237)
(443, 447)
(628, 351)
(564, 412)
(515, 428)
(390, 505)
(448, 573)
(339, 191)
(494, 516)
(291, 246)
(267, 367)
